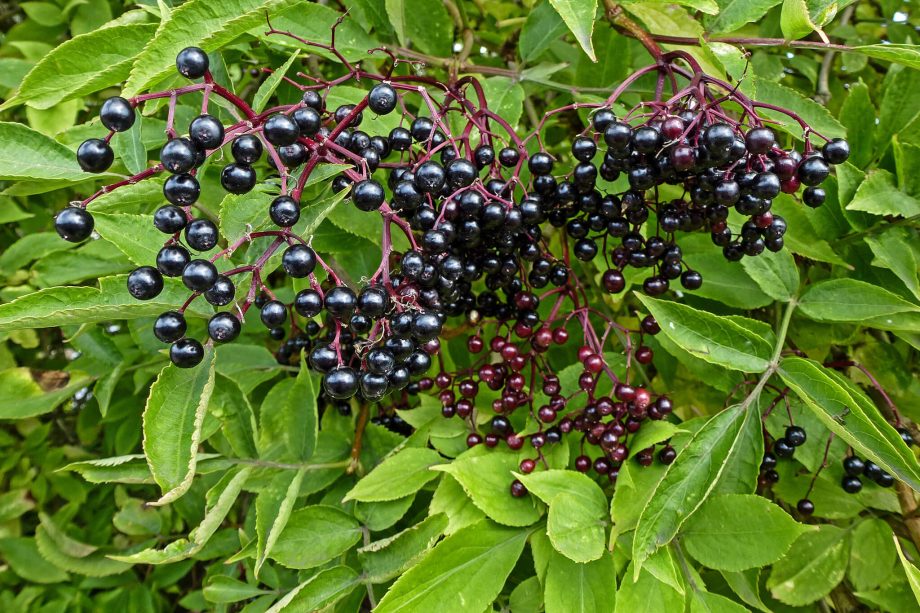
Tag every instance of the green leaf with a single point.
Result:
(200, 23)
(223, 589)
(289, 424)
(578, 15)
(485, 477)
(795, 20)
(120, 469)
(909, 55)
(269, 85)
(422, 23)
(735, 13)
(14, 504)
(129, 147)
(464, 572)
(231, 406)
(858, 115)
(893, 250)
(388, 558)
(82, 65)
(577, 512)
(739, 531)
(879, 195)
(398, 476)
(707, 602)
(849, 300)
(646, 593)
(314, 535)
(913, 573)
(712, 338)
(850, 415)
(651, 433)
(71, 555)
(21, 396)
(26, 154)
(22, 556)
(59, 306)
(580, 588)
(133, 235)
(505, 98)
(311, 216)
(450, 499)
(775, 273)
(747, 587)
(273, 510)
(175, 412)
(319, 591)
(377, 516)
(543, 26)
(897, 110)
(814, 566)
(815, 115)
(314, 22)
(702, 468)
(872, 555)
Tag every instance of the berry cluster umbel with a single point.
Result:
(478, 208)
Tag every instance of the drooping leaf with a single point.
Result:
(775, 273)
(872, 555)
(314, 535)
(289, 424)
(273, 510)
(222, 589)
(909, 55)
(878, 195)
(735, 13)
(269, 85)
(913, 573)
(850, 300)
(578, 15)
(26, 154)
(815, 564)
(71, 555)
(319, 591)
(385, 559)
(542, 27)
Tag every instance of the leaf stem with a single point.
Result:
(774, 359)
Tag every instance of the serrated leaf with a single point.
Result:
(913, 573)
(289, 424)
(319, 591)
(893, 250)
(642, 591)
(580, 588)
(273, 510)
(858, 115)
(269, 85)
(450, 499)
(775, 273)
(710, 337)
(542, 27)
(223, 589)
(133, 235)
(814, 114)
(173, 417)
(872, 556)
(815, 565)
(388, 558)
(398, 476)
(795, 20)
(485, 552)
(909, 55)
(422, 23)
(71, 555)
(22, 556)
(578, 15)
(314, 535)
(879, 195)
(26, 154)
(849, 300)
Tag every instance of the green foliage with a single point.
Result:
(133, 485)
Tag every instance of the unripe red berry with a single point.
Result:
(583, 463)
(514, 441)
(473, 439)
(527, 466)
(474, 344)
(560, 336)
(644, 355)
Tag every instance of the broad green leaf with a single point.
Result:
(707, 602)
(896, 111)
(580, 588)
(314, 535)
(913, 574)
(71, 555)
(651, 433)
(319, 591)
(858, 115)
(578, 15)
(134, 198)
(577, 512)
(133, 235)
(697, 473)
(879, 195)
(735, 13)
(485, 477)
(269, 85)
(223, 589)
(26, 155)
(220, 498)
(200, 23)
(23, 557)
(815, 564)
(872, 556)
(82, 65)
(273, 510)
(739, 531)
(464, 572)
(909, 55)
(775, 273)
(746, 586)
(59, 306)
(21, 396)
(802, 238)
(231, 406)
(710, 337)
(893, 250)
(387, 558)
(424, 24)
(527, 596)
(795, 20)
(15, 503)
(849, 300)
(506, 98)
(814, 114)
(136, 518)
(377, 516)
(642, 591)
(543, 26)
(289, 424)
(850, 415)
(398, 476)
(120, 469)
(450, 499)
(313, 214)
(129, 147)
(175, 412)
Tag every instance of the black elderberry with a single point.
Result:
(691, 280)
(206, 132)
(460, 173)
(853, 466)
(885, 480)
(308, 121)
(312, 99)
(812, 171)
(284, 211)
(382, 99)
(342, 113)
(201, 234)
(298, 260)
(74, 224)
(181, 190)
(172, 259)
(430, 177)
(340, 301)
(341, 383)
(192, 62)
(281, 130)
(872, 470)
(602, 118)
(238, 178)
(782, 449)
(293, 156)
(805, 506)
(221, 293)
(273, 313)
(508, 157)
(373, 301)
(169, 327)
(246, 149)
(760, 140)
(836, 151)
(795, 436)
(178, 155)
(380, 361)
(484, 155)
(145, 283)
(323, 358)
(541, 163)
(850, 484)
(199, 275)
(813, 196)
(583, 149)
(368, 195)
(224, 327)
(646, 139)
(117, 114)
(186, 353)
(618, 136)
(95, 155)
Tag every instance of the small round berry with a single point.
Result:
(508, 157)
(117, 114)
(74, 224)
(273, 313)
(284, 211)
(906, 436)
(238, 178)
(795, 436)
(281, 130)
(812, 171)
(813, 196)
(691, 280)
(584, 148)
(178, 155)
(246, 149)
(382, 99)
(95, 155)
(602, 118)
(518, 490)
(201, 234)
(172, 259)
(430, 177)
(308, 303)
(373, 301)
(341, 383)
(340, 301)
(853, 466)
(782, 449)
(759, 140)
(836, 151)
(885, 480)
(199, 275)
(186, 353)
(181, 190)
(145, 283)
(221, 293)
(805, 506)
(850, 484)
(313, 100)
(667, 455)
(308, 121)
(192, 62)
(368, 195)
(342, 113)
(206, 132)
(169, 326)
(224, 327)
(473, 439)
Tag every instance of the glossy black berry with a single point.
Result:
(540, 163)
(853, 466)
(885, 480)
(178, 156)
(508, 157)
(583, 149)
(718, 137)
(368, 195)
(460, 173)
(795, 436)
(341, 383)
(246, 149)
(74, 224)
(95, 155)
(430, 177)
(192, 62)
(836, 151)
(484, 155)
(813, 196)
(872, 470)
(224, 327)
(373, 301)
(308, 303)
(426, 326)
(312, 99)
(382, 99)
(169, 326)
(380, 361)
(281, 130)
(284, 211)
(759, 140)
(373, 386)
(273, 313)
(298, 261)
(172, 259)
(145, 283)
(186, 353)
(201, 234)
(421, 129)
(199, 275)
(906, 436)
(221, 293)
(782, 449)
(691, 279)
(308, 121)
(238, 178)
(117, 114)
(602, 118)
(812, 171)
(340, 301)
(805, 506)
(181, 190)
(400, 139)
(206, 132)
(618, 136)
(344, 111)
(851, 485)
